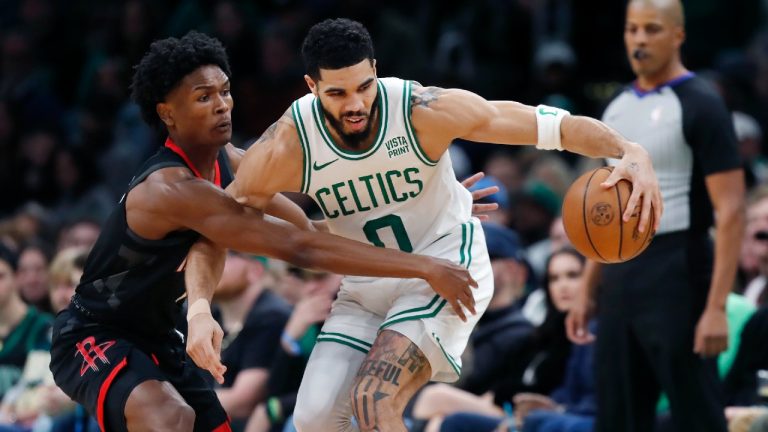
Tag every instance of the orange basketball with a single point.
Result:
(592, 216)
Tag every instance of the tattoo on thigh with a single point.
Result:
(384, 370)
(380, 376)
(413, 359)
(366, 394)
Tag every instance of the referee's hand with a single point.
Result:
(204, 337)
(711, 333)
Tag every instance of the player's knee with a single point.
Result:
(181, 418)
(313, 415)
(171, 417)
(153, 406)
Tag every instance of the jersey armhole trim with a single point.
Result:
(306, 156)
(168, 164)
(407, 110)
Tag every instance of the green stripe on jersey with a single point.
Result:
(307, 159)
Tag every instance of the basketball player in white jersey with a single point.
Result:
(372, 153)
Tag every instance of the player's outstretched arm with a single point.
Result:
(171, 199)
(442, 115)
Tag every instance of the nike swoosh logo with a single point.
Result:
(319, 167)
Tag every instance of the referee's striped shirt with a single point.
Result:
(688, 132)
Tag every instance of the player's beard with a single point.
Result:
(353, 140)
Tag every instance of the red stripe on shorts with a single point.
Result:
(103, 392)
(224, 427)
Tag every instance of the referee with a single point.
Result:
(662, 315)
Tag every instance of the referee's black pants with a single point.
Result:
(648, 309)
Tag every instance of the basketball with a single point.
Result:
(592, 216)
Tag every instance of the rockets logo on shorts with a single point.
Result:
(92, 353)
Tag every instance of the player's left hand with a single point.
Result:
(636, 167)
(711, 333)
(479, 208)
(204, 336)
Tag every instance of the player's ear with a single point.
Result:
(311, 84)
(373, 63)
(165, 113)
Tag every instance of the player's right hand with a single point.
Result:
(453, 283)
(577, 320)
(204, 337)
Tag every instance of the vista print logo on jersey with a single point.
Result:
(397, 146)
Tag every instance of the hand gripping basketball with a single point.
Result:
(593, 216)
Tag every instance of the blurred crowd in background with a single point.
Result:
(70, 139)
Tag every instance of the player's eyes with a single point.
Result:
(203, 98)
(225, 92)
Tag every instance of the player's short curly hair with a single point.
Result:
(166, 63)
(335, 44)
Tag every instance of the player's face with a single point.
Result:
(349, 97)
(199, 110)
(564, 274)
(652, 39)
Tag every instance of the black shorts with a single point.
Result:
(98, 367)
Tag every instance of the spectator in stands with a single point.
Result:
(40, 402)
(65, 272)
(23, 329)
(746, 384)
(311, 293)
(32, 275)
(501, 216)
(755, 248)
(81, 232)
(253, 317)
(503, 330)
(537, 367)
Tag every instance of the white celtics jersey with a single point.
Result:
(390, 195)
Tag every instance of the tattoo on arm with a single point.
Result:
(426, 96)
(272, 129)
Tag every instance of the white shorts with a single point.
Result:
(410, 307)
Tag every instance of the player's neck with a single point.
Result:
(11, 314)
(675, 69)
(202, 158)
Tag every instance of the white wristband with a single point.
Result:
(548, 123)
(200, 306)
